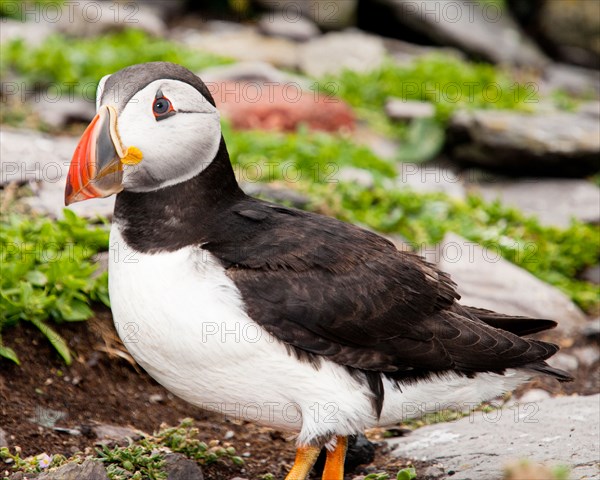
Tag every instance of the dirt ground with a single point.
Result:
(102, 387)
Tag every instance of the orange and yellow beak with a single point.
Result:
(96, 169)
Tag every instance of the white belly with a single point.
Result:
(182, 319)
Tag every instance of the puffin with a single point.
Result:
(282, 317)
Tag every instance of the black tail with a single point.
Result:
(518, 325)
(524, 326)
(545, 369)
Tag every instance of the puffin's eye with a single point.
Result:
(162, 108)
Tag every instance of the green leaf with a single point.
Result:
(407, 474)
(9, 354)
(37, 278)
(72, 309)
(55, 339)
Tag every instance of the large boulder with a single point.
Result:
(482, 29)
(568, 30)
(334, 52)
(327, 14)
(486, 280)
(90, 18)
(558, 431)
(555, 202)
(563, 144)
(42, 162)
(240, 42)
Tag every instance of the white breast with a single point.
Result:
(183, 320)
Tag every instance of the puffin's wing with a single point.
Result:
(332, 289)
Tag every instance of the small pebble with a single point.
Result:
(592, 329)
(564, 361)
(229, 435)
(156, 398)
(534, 395)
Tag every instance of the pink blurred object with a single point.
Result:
(280, 106)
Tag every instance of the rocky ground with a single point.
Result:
(539, 162)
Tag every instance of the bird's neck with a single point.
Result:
(179, 215)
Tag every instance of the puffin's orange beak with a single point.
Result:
(97, 165)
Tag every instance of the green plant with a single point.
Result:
(19, 9)
(301, 156)
(47, 274)
(408, 473)
(447, 82)
(145, 459)
(76, 65)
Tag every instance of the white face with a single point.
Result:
(175, 147)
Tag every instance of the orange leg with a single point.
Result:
(305, 459)
(334, 465)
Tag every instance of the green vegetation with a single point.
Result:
(78, 64)
(300, 156)
(47, 272)
(143, 459)
(408, 473)
(19, 9)
(447, 82)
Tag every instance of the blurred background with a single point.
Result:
(468, 131)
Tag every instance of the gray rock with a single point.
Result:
(288, 25)
(430, 179)
(486, 280)
(591, 329)
(555, 143)
(89, 470)
(405, 53)
(571, 29)
(574, 80)
(33, 33)
(557, 431)
(3, 438)
(435, 471)
(64, 111)
(29, 156)
(114, 433)
(329, 14)
(592, 274)
(49, 199)
(555, 202)
(179, 467)
(90, 18)
(43, 162)
(359, 176)
(482, 30)
(332, 53)
(380, 145)
(253, 71)
(402, 110)
(242, 43)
